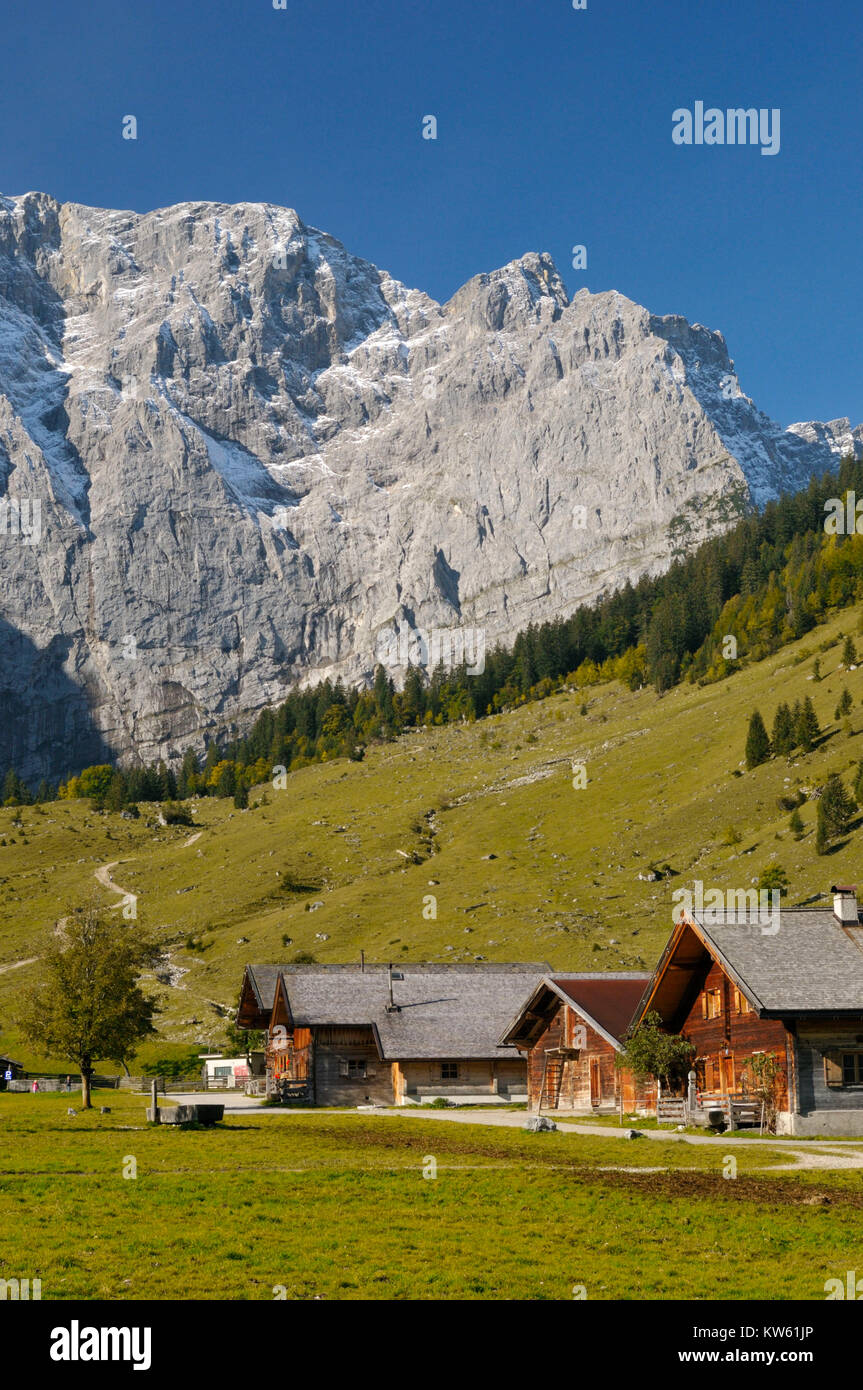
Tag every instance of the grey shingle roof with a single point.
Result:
(811, 964)
(447, 1011)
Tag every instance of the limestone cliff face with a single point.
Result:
(252, 452)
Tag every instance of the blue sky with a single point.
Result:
(554, 129)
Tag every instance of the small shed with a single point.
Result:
(230, 1073)
(570, 1030)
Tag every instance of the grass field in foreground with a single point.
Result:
(336, 1206)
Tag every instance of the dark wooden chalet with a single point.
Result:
(348, 1035)
(741, 988)
(570, 1030)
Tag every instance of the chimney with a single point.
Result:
(392, 1007)
(845, 905)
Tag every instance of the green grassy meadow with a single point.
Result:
(335, 1206)
(482, 817)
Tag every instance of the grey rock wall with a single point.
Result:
(253, 452)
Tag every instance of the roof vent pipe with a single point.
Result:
(393, 1008)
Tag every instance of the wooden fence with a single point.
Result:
(737, 1109)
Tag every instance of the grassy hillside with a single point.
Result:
(484, 817)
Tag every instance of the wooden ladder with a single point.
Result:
(552, 1076)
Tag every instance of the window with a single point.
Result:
(711, 1003)
(843, 1069)
(852, 1068)
(223, 1071)
(449, 1071)
(741, 1003)
(354, 1068)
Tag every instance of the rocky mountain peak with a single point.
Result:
(254, 452)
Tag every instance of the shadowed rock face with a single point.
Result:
(253, 452)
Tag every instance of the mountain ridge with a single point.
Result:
(254, 452)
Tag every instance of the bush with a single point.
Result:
(774, 878)
(293, 883)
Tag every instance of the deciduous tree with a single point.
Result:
(89, 1005)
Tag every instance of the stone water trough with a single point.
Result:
(186, 1114)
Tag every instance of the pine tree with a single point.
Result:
(167, 783)
(845, 703)
(782, 739)
(750, 578)
(210, 759)
(117, 793)
(849, 653)
(796, 713)
(241, 796)
(13, 789)
(835, 807)
(757, 742)
(413, 697)
(384, 695)
(806, 727)
(187, 781)
(795, 824)
(227, 783)
(150, 782)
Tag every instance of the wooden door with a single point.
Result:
(726, 1075)
(595, 1081)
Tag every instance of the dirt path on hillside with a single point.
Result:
(103, 876)
(17, 964)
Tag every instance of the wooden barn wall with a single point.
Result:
(813, 1041)
(575, 1089)
(511, 1073)
(475, 1076)
(742, 1034)
(639, 1094)
(333, 1046)
(551, 1036)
